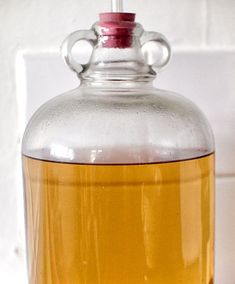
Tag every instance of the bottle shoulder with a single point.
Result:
(79, 102)
(144, 124)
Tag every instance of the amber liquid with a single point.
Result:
(120, 224)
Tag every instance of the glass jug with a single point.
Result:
(118, 175)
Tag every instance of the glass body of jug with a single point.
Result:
(118, 175)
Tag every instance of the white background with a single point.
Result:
(203, 39)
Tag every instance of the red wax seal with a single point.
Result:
(118, 29)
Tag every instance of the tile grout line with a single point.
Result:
(224, 176)
(206, 13)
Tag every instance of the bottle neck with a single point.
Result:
(123, 63)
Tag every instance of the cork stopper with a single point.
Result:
(117, 29)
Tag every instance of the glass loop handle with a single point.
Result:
(156, 50)
(68, 44)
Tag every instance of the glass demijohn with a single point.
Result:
(118, 175)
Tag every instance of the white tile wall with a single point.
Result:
(208, 78)
(225, 231)
(182, 21)
(221, 23)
